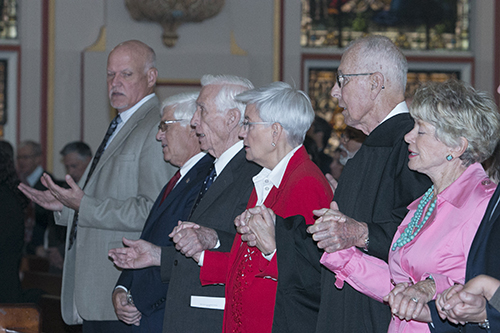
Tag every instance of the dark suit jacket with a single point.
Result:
(225, 199)
(148, 291)
(299, 288)
(483, 259)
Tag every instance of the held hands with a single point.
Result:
(125, 311)
(409, 302)
(256, 226)
(191, 239)
(335, 231)
(138, 254)
(55, 197)
(461, 304)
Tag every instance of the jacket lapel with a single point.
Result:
(220, 185)
(124, 132)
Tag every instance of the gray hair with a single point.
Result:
(36, 148)
(457, 111)
(278, 102)
(379, 54)
(81, 148)
(184, 106)
(231, 86)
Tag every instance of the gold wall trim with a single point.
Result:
(276, 40)
(235, 49)
(50, 85)
(100, 44)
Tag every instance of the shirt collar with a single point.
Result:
(125, 115)
(274, 176)
(400, 108)
(190, 163)
(227, 156)
(455, 193)
(32, 179)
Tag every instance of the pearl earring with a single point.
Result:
(449, 158)
(273, 144)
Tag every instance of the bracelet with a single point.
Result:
(485, 324)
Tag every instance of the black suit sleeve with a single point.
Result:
(299, 292)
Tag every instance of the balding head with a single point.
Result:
(131, 74)
(379, 54)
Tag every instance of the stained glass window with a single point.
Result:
(410, 24)
(8, 19)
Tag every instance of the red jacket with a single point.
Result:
(250, 279)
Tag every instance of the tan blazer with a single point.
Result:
(117, 201)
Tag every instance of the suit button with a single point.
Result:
(163, 299)
(175, 262)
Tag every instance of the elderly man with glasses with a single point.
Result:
(189, 307)
(140, 295)
(374, 189)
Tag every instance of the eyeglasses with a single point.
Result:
(341, 78)
(246, 124)
(163, 126)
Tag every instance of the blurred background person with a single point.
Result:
(312, 149)
(36, 218)
(276, 120)
(335, 166)
(12, 204)
(350, 142)
(456, 128)
(321, 131)
(76, 156)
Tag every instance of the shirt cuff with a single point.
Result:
(121, 287)
(270, 256)
(202, 257)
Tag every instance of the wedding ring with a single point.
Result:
(414, 299)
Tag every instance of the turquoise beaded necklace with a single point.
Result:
(413, 228)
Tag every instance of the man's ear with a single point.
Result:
(233, 117)
(377, 84)
(152, 75)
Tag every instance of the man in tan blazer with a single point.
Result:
(116, 193)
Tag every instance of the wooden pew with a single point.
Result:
(24, 318)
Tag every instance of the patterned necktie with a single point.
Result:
(111, 129)
(170, 185)
(206, 185)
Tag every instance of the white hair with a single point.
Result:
(231, 86)
(184, 106)
(379, 54)
(278, 102)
